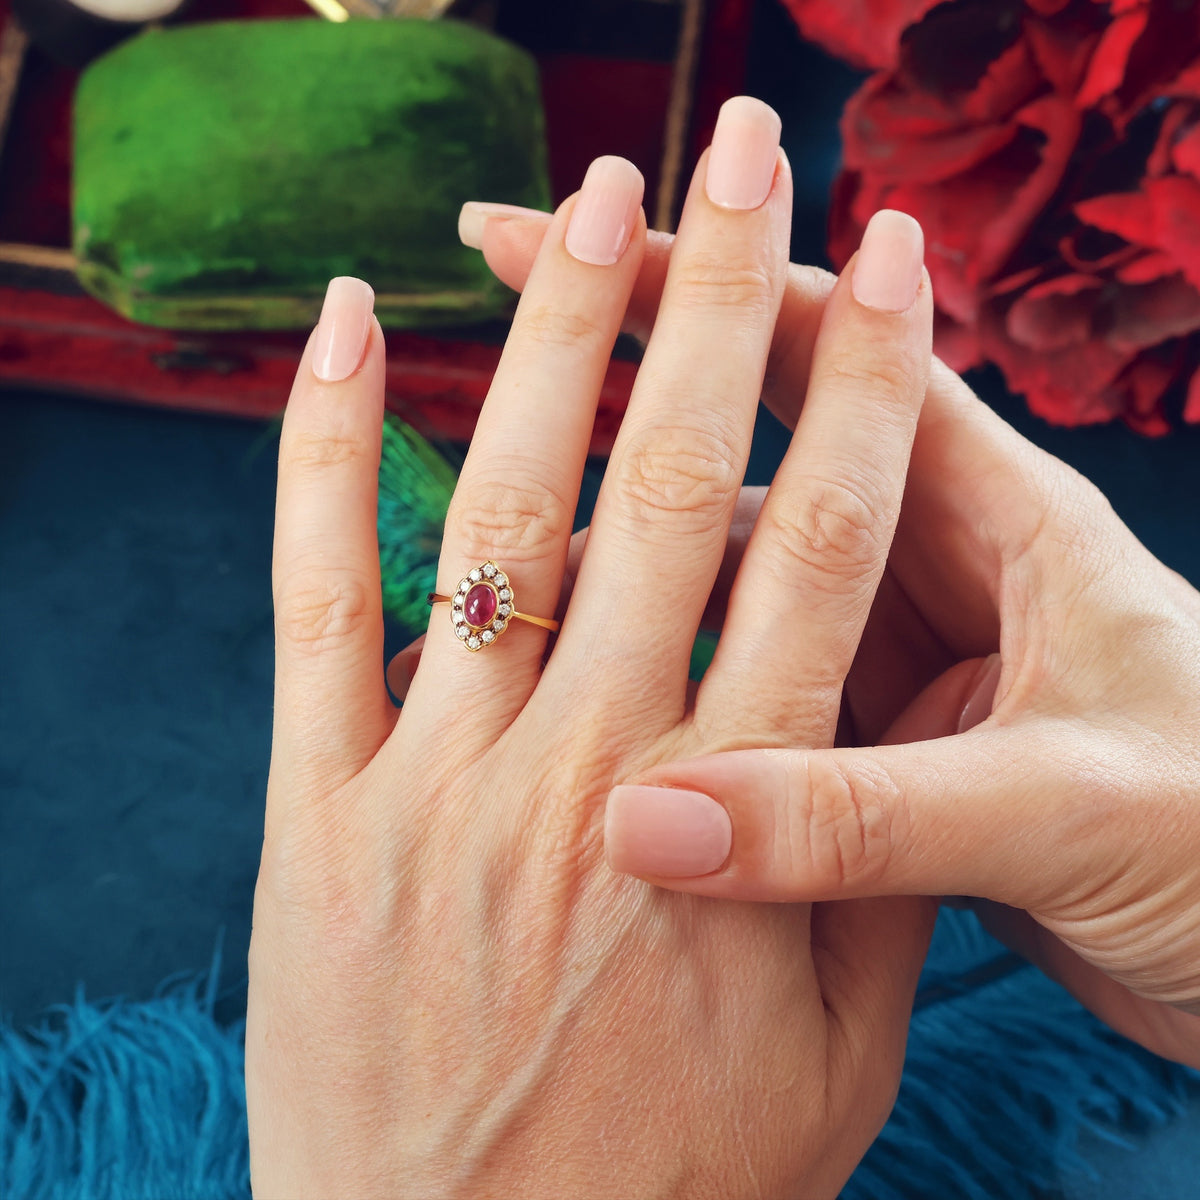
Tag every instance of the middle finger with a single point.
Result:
(661, 520)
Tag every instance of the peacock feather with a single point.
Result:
(415, 485)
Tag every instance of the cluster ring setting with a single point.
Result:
(483, 605)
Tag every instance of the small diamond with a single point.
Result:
(505, 594)
(473, 643)
(465, 586)
(488, 636)
(504, 610)
(458, 599)
(476, 575)
(501, 579)
(498, 625)
(461, 630)
(489, 569)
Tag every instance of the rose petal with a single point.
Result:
(1176, 119)
(1146, 268)
(1185, 154)
(1186, 83)
(865, 33)
(902, 135)
(1106, 72)
(1175, 202)
(1063, 48)
(1127, 214)
(1152, 313)
(1055, 314)
(1165, 51)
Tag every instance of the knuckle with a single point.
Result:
(311, 452)
(688, 478)
(891, 380)
(546, 325)
(703, 281)
(832, 532)
(324, 612)
(842, 826)
(497, 517)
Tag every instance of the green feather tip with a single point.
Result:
(415, 486)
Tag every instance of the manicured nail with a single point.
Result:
(605, 211)
(745, 149)
(887, 271)
(476, 214)
(983, 695)
(343, 328)
(667, 832)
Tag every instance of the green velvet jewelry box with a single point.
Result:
(224, 173)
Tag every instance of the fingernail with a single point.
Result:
(343, 328)
(475, 214)
(887, 271)
(604, 213)
(745, 149)
(983, 695)
(667, 832)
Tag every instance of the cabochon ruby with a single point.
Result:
(479, 607)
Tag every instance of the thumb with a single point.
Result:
(999, 812)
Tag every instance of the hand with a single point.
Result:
(450, 992)
(1076, 807)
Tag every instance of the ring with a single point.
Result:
(483, 605)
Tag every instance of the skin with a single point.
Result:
(451, 995)
(1073, 810)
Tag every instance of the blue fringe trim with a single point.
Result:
(126, 1101)
(1004, 1072)
(145, 1101)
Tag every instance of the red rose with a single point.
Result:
(1051, 150)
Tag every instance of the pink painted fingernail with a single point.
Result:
(605, 211)
(475, 214)
(343, 328)
(887, 271)
(745, 149)
(983, 695)
(667, 832)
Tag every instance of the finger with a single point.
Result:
(510, 242)
(403, 666)
(668, 496)
(959, 444)
(868, 955)
(331, 709)
(816, 556)
(967, 815)
(515, 499)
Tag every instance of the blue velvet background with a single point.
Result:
(135, 660)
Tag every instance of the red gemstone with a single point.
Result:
(480, 605)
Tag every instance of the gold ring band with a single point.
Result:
(483, 605)
(544, 622)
